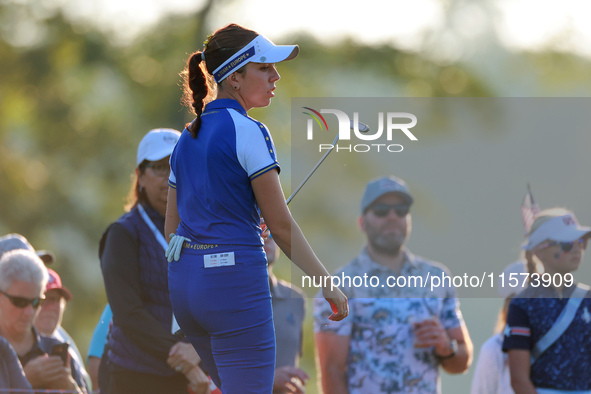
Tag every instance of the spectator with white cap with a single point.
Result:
(144, 356)
(548, 332)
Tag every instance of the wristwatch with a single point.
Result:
(453, 344)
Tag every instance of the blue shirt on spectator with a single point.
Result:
(566, 364)
(43, 346)
(382, 357)
(12, 375)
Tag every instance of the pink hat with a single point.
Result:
(55, 282)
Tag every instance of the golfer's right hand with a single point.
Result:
(173, 252)
(338, 303)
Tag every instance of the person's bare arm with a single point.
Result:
(519, 367)
(288, 236)
(430, 333)
(93, 370)
(463, 357)
(172, 214)
(333, 351)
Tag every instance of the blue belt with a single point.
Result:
(198, 246)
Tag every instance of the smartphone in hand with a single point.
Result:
(61, 349)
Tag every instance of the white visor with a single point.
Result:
(259, 50)
(564, 228)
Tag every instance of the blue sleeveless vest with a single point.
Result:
(154, 292)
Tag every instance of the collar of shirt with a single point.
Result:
(408, 266)
(35, 350)
(224, 103)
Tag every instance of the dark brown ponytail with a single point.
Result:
(198, 83)
(197, 87)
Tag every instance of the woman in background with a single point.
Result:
(548, 333)
(144, 357)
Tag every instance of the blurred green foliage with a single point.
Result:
(74, 105)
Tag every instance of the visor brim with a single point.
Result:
(278, 53)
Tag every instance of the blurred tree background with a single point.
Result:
(75, 102)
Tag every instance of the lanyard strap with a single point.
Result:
(152, 226)
(175, 326)
(562, 323)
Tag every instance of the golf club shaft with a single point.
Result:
(312, 172)
(360, 126)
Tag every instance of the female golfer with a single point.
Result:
(144, 357)
(548, 333)
(223, 170)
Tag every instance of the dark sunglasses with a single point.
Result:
(568, 246)
(382, 210)
(22, 302)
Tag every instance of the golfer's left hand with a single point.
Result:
(173, 252)
(198, 381)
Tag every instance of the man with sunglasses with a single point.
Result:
(23, 278)
(398, 333)
(49, 318)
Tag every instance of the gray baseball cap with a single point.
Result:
(384, 185)
(16, 241)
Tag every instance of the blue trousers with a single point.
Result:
(226, 313)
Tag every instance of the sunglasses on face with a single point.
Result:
(22, 302)
(159, 169)
(568, 246)
(382, 210)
